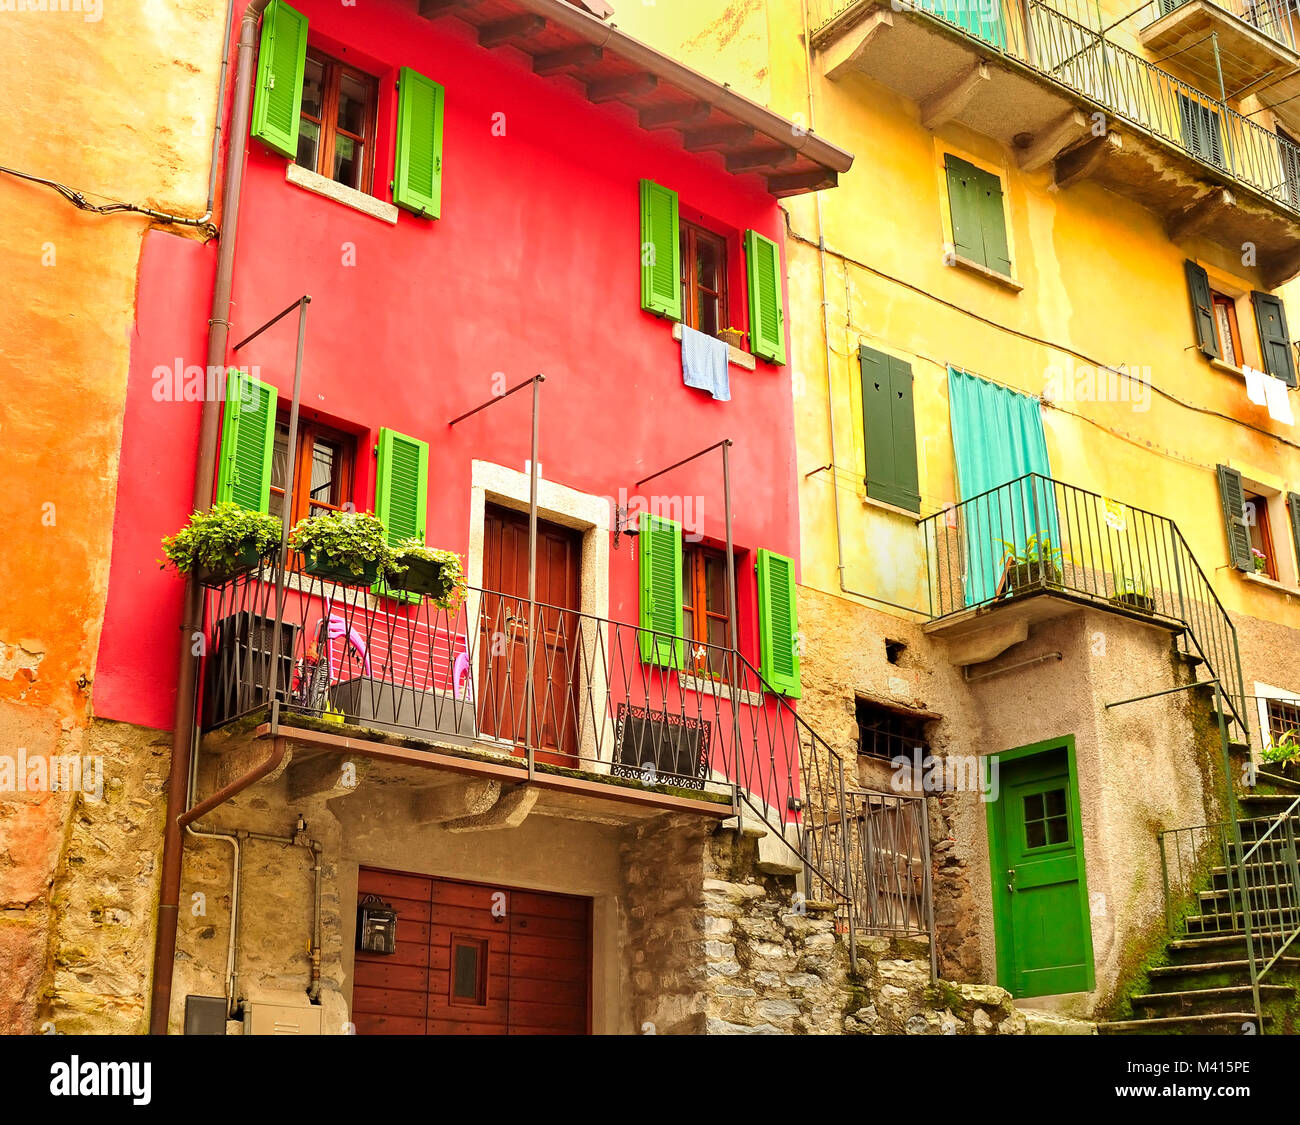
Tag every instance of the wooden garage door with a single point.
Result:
(474, 959)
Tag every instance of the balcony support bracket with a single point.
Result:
(1081, 162)
(1200, 214)
(842, 56)
(1047, 146)
(946, 103)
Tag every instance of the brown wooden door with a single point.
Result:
(503, 664)
(474, 959)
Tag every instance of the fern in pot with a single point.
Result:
(436, 573)
(222, 543)
(348, 547)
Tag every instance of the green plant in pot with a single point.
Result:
(350, 547)
(431, 571)
(1134, 593)
(1038, 564)
(1284, 752)
(222, 543)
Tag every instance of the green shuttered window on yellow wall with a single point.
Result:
(417, 179)
(277, 98)
(661, 591)
(778, 622)
(1232, 494)
(889, 429)
(766, 318)
(661, 282)
(247, 442)
(1198, 288)
(1274, 337)
(979, 223)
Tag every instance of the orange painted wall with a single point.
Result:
(120, 107)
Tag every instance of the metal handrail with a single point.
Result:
(1075, 542)
(1063, 43)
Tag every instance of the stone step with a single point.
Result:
(1213, 1023)
(1215, 947)
(1225, 973)
(1210, 1001)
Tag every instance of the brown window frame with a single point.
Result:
(696, 611)
(302, 503)
(1283, 717)
(332, 73)
(691, 234)
(1222, 300)
(479, 999)
(1265, 530)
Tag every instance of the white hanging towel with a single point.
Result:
(1279, 402)
(1256, 386)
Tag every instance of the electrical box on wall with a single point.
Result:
(205, 1015)
(281, 1019)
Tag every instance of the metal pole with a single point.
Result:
(530, 691)
(283, 561)
(848, 874)
(733, 657)
(1243, 880)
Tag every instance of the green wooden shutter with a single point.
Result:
(1274, 339)
(1233, 496)
(993, 222)
(417, 179)
(661, 281)
(1293, 506)
(661, 592)
(965, 209)
(277, 100)
(247, 442)
(778, 622)
(1198, 285)
(889, 429)
(766, 318)
(402, 493)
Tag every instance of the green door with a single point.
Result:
(1040, 893)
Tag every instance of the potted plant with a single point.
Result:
(1038, 565)
(222, 543)
(350, 547)
(1284, 753)
(1260, 559)
(733, 336)
(436, 573)
(1134, 593)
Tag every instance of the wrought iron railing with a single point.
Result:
(1064, 43)
(1272, 17)
(1270, 888)
(584, 696)
(1037, 534)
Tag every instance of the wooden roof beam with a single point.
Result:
(555, 61)
(752, 159)
(626, 86)
(503, 32)
(671, 116)
(792, 183)
(717, 136)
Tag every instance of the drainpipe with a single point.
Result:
(183, 724)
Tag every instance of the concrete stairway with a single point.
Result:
(1203, 986)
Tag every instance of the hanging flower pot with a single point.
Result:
(434, 573)
(347, 547)
(223, 543)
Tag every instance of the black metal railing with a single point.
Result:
(614, 701)
(1065, 43)
(1037, 534)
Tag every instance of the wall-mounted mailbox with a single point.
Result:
(376, 926)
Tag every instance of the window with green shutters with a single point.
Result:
(1274, 338)
(778, 623)
(661, 591)
(1293, 509)
(766, 318)
(247, 442)
(889, 429)
(661, 291)
(417, 180)
(1232, 494)
(979, 223)
(1202, 136)
(277, 98)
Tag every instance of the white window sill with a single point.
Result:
(1002, 279)
(1272, 583)
(872, 502)
(702, 685)
(735, 356)
(341, 193)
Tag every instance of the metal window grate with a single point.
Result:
(886, 734)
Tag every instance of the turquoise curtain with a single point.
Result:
(998, 438)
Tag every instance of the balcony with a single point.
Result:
(1032, 75)
(1253, 43)
(577, 723)
(1037, 548)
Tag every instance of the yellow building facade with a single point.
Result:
(1137, 225)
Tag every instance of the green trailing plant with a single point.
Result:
(354, 543)
(225, 540)
(441, 575)
(1038, 550)
(1285, 750)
